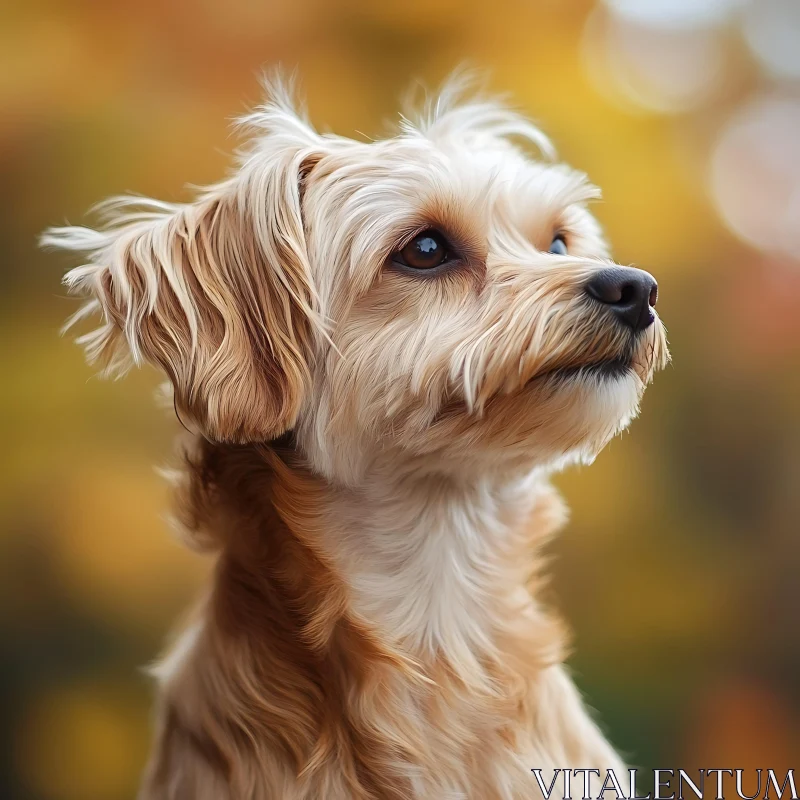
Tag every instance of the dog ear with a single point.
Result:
(216, 293)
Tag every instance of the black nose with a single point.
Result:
(628, 292)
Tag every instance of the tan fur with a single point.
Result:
(370, 457)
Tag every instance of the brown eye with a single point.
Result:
(425, 251)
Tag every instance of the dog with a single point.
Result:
(381, 351)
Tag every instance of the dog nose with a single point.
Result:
(629, 292)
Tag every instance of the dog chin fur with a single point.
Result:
(369, 451)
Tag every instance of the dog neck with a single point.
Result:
(353, 633)
(433, 565)
(430, 559)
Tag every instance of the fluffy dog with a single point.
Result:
(382, 350)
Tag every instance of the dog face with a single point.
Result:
(439, 295)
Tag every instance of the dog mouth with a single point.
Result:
(608, 369)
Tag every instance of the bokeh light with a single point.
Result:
(676, 13)
(755, 174)
(660, 69)
(772, 30)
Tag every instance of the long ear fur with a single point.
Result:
(217, 293)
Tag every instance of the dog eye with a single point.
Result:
(559, 245)
(425, 251)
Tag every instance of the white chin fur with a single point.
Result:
(607, 405)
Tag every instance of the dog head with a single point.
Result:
(440, 295)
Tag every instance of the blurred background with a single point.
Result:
(680, 567)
